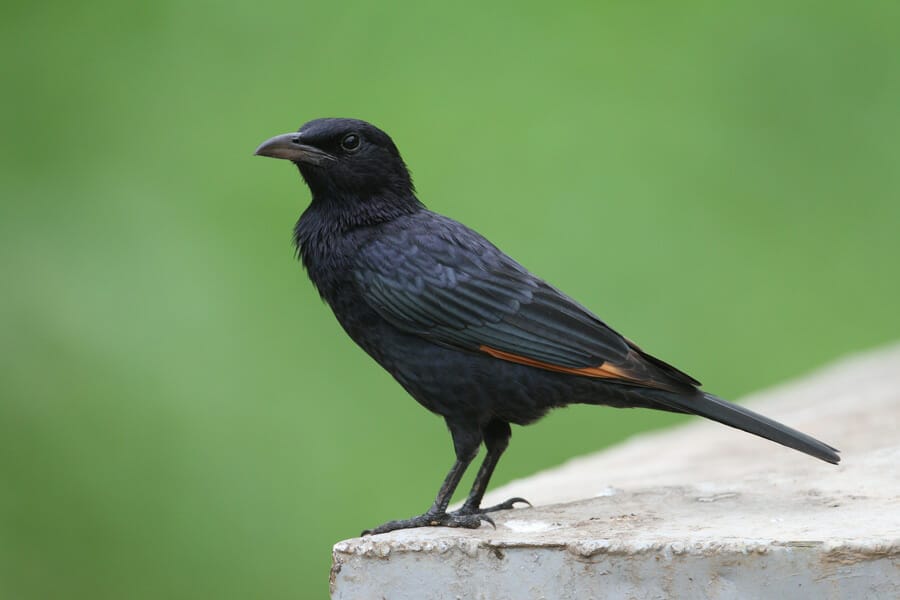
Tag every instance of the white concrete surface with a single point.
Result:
(701, 511)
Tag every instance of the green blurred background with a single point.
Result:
(180, 416)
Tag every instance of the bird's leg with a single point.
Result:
(466, 440)
(496, 439)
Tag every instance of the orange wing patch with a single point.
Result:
(603, 371)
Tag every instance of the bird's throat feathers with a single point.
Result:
(333, 215)
(322, 234)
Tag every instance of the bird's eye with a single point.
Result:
(350, 142)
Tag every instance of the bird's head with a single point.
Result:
(343, 157)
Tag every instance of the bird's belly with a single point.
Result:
(469, 385)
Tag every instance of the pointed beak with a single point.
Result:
(289, 147)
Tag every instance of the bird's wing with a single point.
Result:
(442, 281)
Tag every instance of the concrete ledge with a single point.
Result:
(699, 511)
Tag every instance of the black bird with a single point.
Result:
(466, 330)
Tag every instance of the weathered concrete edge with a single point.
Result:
(862, 549)
(818, 569)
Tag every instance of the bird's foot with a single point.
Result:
(454, 519)
(471, 510)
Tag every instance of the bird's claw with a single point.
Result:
(511, 503)
(455, 519)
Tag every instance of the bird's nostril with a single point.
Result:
(296, 140)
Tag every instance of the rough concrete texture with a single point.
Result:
(701, 511)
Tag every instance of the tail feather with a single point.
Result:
(733, 415)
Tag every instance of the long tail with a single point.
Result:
(733, 415)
